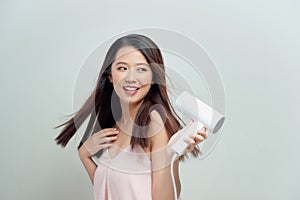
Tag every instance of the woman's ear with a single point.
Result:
(110, 78)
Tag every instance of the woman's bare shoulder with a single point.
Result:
(157, 130)
(156, 117)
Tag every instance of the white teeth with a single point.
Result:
(130, 88)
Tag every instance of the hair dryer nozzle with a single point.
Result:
(197, 110)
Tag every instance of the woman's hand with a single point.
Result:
(193, 140)
(100, 140)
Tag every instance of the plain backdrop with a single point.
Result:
(254, 44)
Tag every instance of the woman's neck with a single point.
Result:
(129, 112)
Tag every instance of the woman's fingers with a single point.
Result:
(190, 141)
(106, 132)
(105, 145)
(107, 139)
(100, 140)
(107, 135)
(195, 139)
(202, 133)
(200, 136)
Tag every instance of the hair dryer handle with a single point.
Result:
(179, 146)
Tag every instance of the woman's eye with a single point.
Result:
(122, 68)
(142, 69)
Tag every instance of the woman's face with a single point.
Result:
(131, 75)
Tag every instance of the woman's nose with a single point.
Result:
(131, 76)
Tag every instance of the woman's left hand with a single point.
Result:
(193, 140)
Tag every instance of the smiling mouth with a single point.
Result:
(131, 90)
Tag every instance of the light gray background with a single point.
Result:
(255, 45)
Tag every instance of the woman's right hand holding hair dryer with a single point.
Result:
(98, 141)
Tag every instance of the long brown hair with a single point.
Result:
(100, 103)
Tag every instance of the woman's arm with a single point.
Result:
(87, 162)
(98, 141)
(161, 157)
(162, 186)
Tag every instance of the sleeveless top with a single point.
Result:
(126, 176)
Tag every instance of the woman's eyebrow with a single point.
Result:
(137, 64)
(146, 64)
(121, 63)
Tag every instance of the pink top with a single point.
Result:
(126, 176)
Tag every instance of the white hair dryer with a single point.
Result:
(201, 115)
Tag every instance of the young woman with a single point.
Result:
(132, 122)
